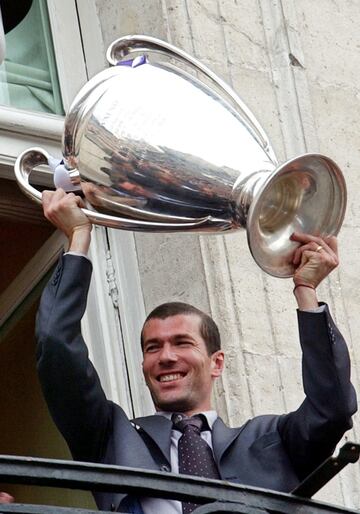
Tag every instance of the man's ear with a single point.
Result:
(217, 363)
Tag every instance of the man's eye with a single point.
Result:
(184, 343)
(151, 348)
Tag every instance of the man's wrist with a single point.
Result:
(80, 240)
(306, 297)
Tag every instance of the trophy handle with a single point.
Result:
(25, 163)
(33, 157)
(127, 45)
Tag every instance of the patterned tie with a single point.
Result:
(195, 455)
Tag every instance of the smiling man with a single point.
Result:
(182, 358)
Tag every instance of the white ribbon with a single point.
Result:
(61, 175)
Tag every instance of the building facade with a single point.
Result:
(294, 65)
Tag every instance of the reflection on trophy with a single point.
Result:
(159, 143)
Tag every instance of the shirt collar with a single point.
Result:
(211, 415)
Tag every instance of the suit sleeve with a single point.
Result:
(311, 433)
(69, 381)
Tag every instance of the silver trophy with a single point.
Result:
(159, 143)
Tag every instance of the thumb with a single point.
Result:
(305, 257)
(80, 202)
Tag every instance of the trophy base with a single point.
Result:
(306, 194)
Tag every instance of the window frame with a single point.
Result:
(20, 129)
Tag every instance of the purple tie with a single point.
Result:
(195, 455)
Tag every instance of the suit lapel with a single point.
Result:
(222, 437)
(158, 429)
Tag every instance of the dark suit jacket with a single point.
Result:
(269, 451)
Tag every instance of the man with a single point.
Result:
(182, 358)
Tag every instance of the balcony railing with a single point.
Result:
(214, 496)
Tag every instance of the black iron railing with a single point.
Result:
(215, 496)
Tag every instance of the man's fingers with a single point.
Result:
(6, 498)
(304, 238)
(310, 247)
(314, 259)
(46, 198)
(54, 200)
(333, 244)
(306, 255)
(80, 202)
(63, 210)
(298, 254)
(50, 197)
(315, 244)
(317, 253)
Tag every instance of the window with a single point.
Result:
(23, 127)
(28, 77)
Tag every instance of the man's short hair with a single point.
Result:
(208, 328)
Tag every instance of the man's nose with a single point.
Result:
(168, 353)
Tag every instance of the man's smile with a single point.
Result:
(170, 377)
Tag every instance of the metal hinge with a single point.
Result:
(111, 280)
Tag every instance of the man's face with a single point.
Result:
(177, 368)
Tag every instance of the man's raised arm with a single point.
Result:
(311, 433)
(69, 381)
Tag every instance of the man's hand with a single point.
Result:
(6, 498)
(64, 211)
(313, 260)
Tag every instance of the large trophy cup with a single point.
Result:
(158, 142)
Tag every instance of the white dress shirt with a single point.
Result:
(159, 506)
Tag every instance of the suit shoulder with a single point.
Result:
(260, 425)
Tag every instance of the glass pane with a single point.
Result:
(28, 77)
